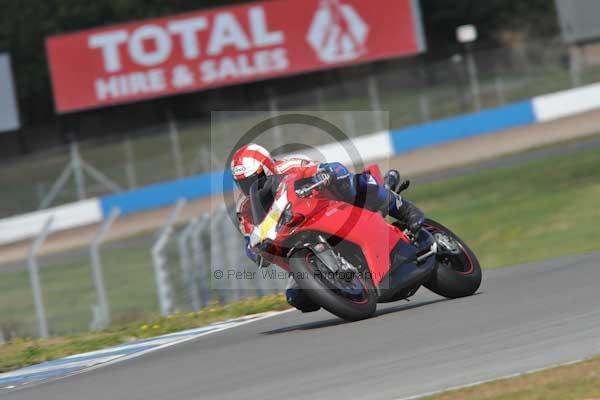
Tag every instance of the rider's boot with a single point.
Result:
(391, 180)
(406, 212)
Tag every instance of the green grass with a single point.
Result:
(579, 381)
(69, 294)
(514, 215)
(23, 352)
(535, 211)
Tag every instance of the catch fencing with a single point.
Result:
(184, 266)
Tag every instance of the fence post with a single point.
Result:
(102, 309)
(575, 65)
(200, 259)
(163, 286)
(425, 107)
(500, 90)
(218, 256)
(349, 124)
(34, 276)
(229, 231)
(375, 102)
(78, 171)
(76, 167)
(320, 97)
(56, 187)
(40, 190)
(202, 159)
(175, 145)
(274, 112)
(473, 78)
(239, 254)
(185, 261)
(129, 164)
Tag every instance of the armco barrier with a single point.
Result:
(380, 145)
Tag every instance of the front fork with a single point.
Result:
(334, 262)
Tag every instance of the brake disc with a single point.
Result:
(447, 243)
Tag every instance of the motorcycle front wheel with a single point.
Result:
(458, 273)
(352, 298)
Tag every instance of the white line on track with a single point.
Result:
(164, 346)
(114, 360)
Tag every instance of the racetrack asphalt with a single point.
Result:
(524, 317)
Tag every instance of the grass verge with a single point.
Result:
(580, 381)
(23, 352)
(535, 211)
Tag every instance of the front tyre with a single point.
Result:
(458, 273)
(351, 300)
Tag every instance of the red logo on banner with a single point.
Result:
(338, 33)
(225, 46)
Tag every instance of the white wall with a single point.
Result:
(570, 102)
(68, 216)
(370, 148)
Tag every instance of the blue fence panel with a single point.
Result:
(167, 193)
(463, 126)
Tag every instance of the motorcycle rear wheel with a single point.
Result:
(459, 275)
(304, 264)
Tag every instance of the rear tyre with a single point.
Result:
(458, 275)
(351, 305)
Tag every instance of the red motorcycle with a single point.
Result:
(347, 258)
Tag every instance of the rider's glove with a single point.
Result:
(323, 176)
(331, 172)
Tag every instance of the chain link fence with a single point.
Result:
(130, 279)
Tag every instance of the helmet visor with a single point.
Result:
(245, 183)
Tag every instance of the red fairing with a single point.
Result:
(369, 230)
(300, 167)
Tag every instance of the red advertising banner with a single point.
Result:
(226, 46)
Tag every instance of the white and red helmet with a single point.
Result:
(249, 163)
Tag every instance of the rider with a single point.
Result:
(252, 163)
